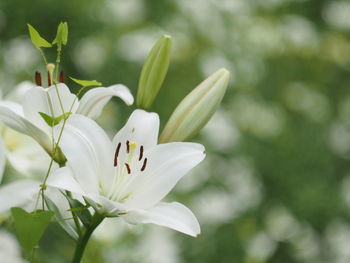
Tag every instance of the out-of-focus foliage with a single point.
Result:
(276, 185)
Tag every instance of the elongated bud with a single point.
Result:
(196, 109)
(153, 72)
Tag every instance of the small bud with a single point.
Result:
(153, 72)
(196, 109)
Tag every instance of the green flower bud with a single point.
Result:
(196, 109)
(153, 72)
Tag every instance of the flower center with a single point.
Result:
(131, 149)
(129, 160)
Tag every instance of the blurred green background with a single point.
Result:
(275, 186)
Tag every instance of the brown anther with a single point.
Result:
(141, 153)
(38, 78)
(144, 165)
(128, 168)
(61, 78)
(116, 155)
(49, 82)
(127, 147)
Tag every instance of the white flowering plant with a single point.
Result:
(88, 176)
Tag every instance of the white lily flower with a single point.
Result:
(129, 176)
(26, 119)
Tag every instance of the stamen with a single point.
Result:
(144, 165)
(38, 78)
(61, 77)
(116, 155)
(128, 168)
(141, 153)
(127, 147)
(49, 79)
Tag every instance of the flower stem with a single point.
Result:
(83, 240)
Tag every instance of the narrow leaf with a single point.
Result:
(37, 40)
(30, 226)
(86, 83)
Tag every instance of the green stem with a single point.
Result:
(83, 240)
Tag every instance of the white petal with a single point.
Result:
(142, 127)
(166, 165)
(47, 101)
(2, 158)
(12, 115)
(18, 92)
(25, 154)
(93, 101)
(89, 153)
(62, 178)
(173, 215)
(69, 100)
(18, 193)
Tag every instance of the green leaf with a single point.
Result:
(62, 34)
(51, 121)
(37, 40)
(80, 210)
(86, 83)
(30, 226)
(58, 216)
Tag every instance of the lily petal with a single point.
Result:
(63, 179)
(25, 154)
(47, 101)
(18, 92)
(142, 127)
(167, 164)
(93, 101)
(12, 115)
(173, 215)
(18, 193)
(89, 152)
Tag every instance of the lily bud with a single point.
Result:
(153, 72)
(196, 109)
